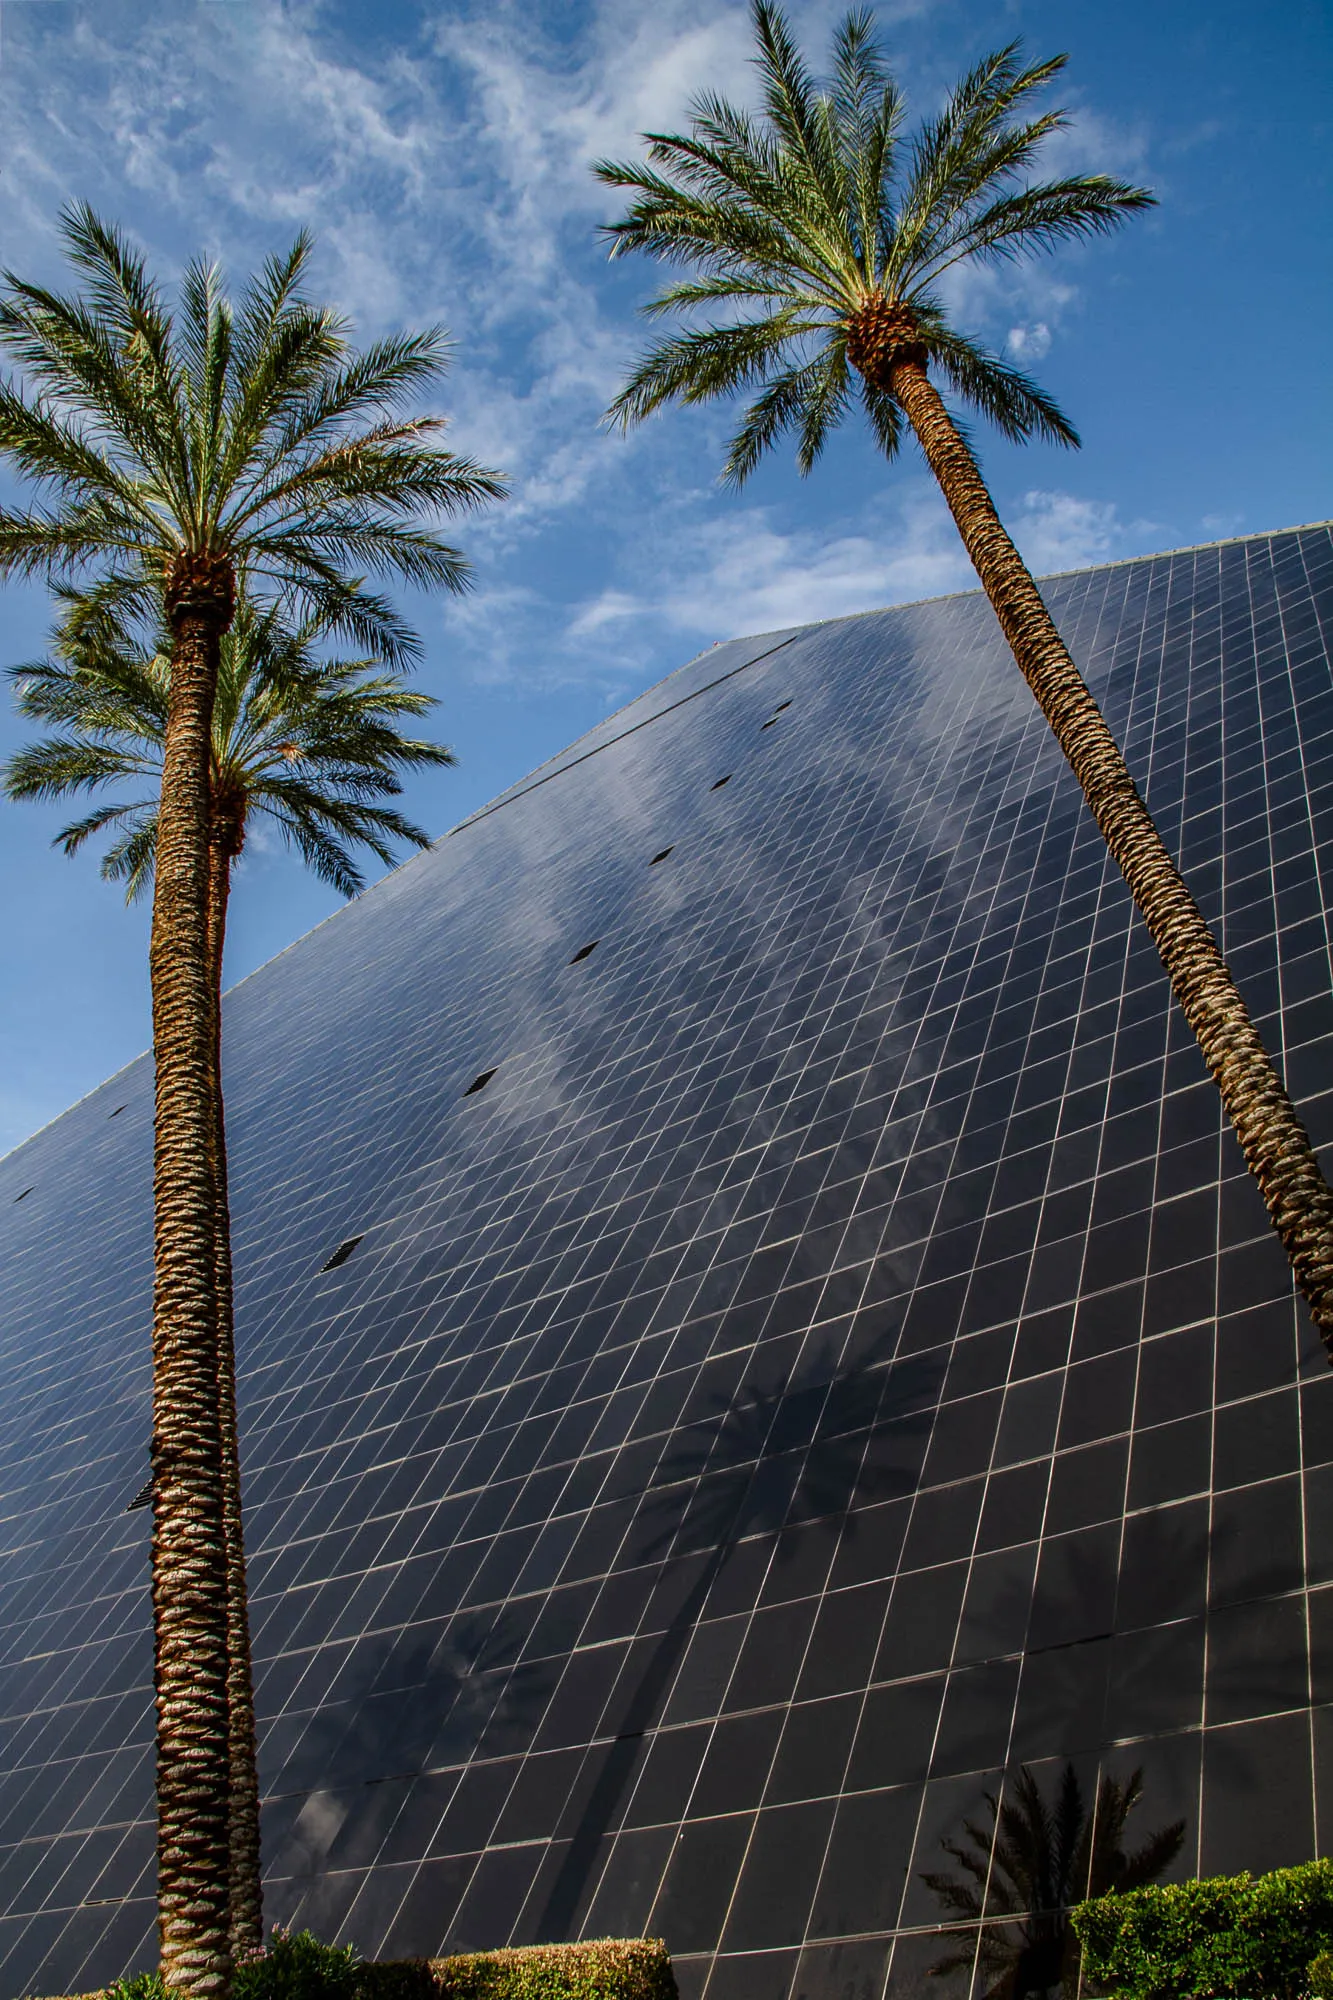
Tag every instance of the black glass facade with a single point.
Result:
(807, 1347)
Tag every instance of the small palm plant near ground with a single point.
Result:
(314, 747)
(171, 451)
(824, 236)
(1021, 1875)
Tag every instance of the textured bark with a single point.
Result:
(189, 1570)
(246, 1893)
(1276, 1147)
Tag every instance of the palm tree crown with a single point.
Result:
(168, 443)
(827, 234)
(313, 745)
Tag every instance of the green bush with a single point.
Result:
(605, 1969)
(1234, 1935)
(143, 1986)
(296, 1968)
(1320, 1976)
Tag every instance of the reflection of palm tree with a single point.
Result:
(430, 1700)
(1022, 1876)
(419, 1706)
(771, 1458)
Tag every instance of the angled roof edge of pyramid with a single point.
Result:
(784, 633)
(534, 777)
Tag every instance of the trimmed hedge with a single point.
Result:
(301, 1968)
(603, 1969)
(1232, 1936)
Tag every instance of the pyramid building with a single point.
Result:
(751, 1328)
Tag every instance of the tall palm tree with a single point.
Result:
(309, 744)
(168, 450)
(1023, 1874)
(825, 238)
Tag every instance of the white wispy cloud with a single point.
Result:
(444, 164)
(1029, 343)
(1058, 531)
(749, 573)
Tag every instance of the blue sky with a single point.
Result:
(441, 155)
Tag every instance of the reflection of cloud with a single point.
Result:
(317, 1826)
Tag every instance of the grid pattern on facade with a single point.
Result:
(836, 1358)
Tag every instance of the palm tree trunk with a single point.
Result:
(189, 1569)
(246, 1893)
(1276, 1146)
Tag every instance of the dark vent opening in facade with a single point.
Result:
(584, 951)
(781, 705)
(718, 783)
(143, 1496)
(341, 1254)
(26, 1192)
(116, 1113)
(659, 857)
(479, 1083)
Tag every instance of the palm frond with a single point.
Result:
(131, 858)
(157, 434)
(808, 399)
(809, 154)
(59, 765)
(271, 300)
(868, 111)
(886, 419)
(1005, 396)
(51, 451)
(954, 153)
(1038, 218)
(378, 379)
(124, 813)
(711, 230)
(316, 744)
(702, 364)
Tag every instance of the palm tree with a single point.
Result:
(307, 743)
(824, 238)
(1023, 1874)
(310, 745)
(167, 452)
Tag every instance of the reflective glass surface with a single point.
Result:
(750, 1325)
